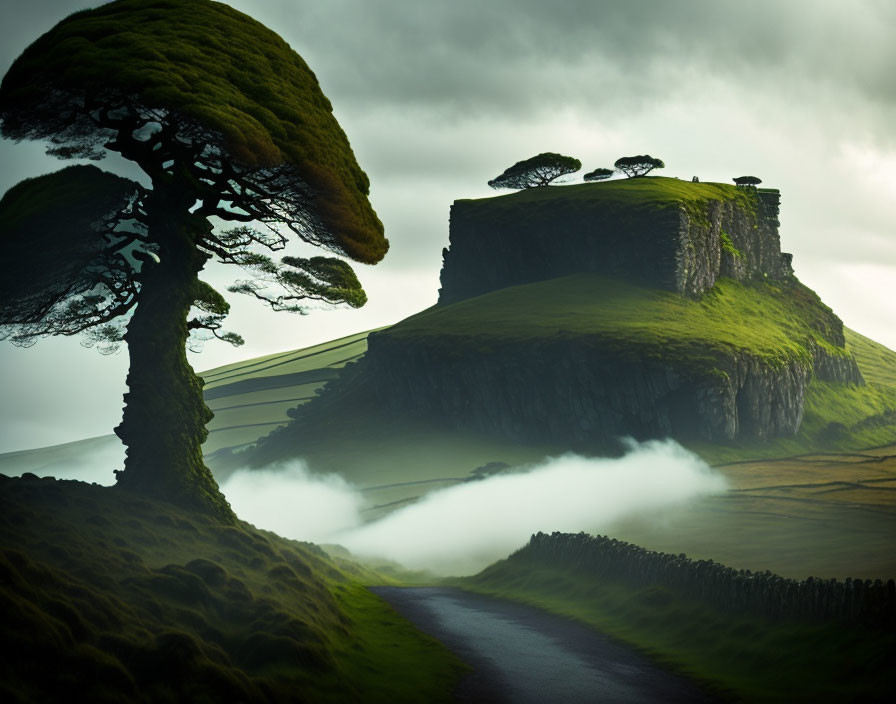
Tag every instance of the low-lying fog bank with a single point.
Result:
(462, 529)
(457, 530)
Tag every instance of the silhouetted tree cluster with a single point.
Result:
(740, 591)
(538, 171)
(747, 181)
(640, 165)
(544, 169)
(226, 122)
(598, 174)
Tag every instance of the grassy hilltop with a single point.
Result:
(617, 197)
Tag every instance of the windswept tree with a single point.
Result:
(538, 171)
(640, 165)
(226, 122)
(598, 174)
(742, 181)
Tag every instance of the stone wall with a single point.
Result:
(742, 592)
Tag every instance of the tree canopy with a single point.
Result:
(640, 165)
(209, 75)
(536, 171)
(598, 174)
(227, 122)
(747, 181)
(66, 267)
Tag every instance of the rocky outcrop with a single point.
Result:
(570, 392)
(683, 247)
(839, 369)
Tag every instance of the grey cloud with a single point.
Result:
(507, 54)
(470, 56)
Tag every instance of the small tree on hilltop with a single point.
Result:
(598, 174)
(742, 181)
(538, 171)
(641, 165)
(227, 122)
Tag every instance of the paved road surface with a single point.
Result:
(521, 654)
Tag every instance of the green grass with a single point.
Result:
(878, 363)
(741, 658)
(774, 322)
(251, 398)
(330, 355)
(651, 192)
(837, 418)
(123, 599)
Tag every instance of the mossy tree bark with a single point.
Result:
(165, 415)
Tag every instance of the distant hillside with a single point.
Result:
(878, 363)
(251, 398)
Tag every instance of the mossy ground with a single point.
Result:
(124, 599)
(775, 322)
(741, 658)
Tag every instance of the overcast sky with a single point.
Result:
(439, 97)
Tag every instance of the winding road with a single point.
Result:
(521, 654)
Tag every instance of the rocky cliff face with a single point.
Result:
(683, 247)
(570, 392)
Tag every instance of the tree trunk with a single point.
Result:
(165, 415)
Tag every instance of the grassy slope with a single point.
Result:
(745, 658)
(129, 600)
(768, 320)
(878, 363)
(250, 399)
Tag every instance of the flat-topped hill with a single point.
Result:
(647, 307)
(661, 232)
(650, 307)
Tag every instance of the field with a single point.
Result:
(251, 398)
(813, 515)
